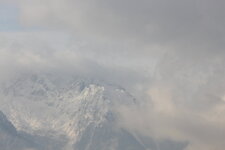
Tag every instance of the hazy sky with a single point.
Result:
(170, 53)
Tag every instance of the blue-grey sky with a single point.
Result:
(9, 17)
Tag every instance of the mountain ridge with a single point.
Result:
(69, 113)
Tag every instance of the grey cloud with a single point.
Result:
(188, 24)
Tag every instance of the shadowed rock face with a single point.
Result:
(9, 137)
(6, 126)
(109, 137)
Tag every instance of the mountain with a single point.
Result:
(9, 137)
(67, 113)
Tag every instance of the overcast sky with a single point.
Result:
(170, 53)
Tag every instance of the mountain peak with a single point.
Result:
(46, 103)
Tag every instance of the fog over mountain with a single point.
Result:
(112, 75)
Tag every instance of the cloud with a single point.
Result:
(185, 103)
(196, 25)
(59, 53)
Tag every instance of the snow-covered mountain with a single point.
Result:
(70, 113)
